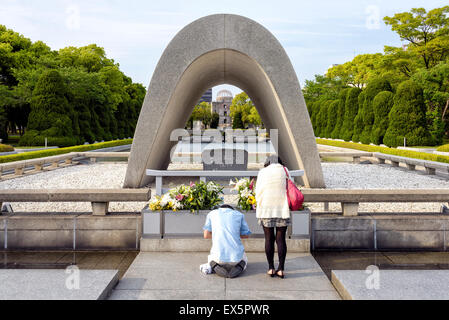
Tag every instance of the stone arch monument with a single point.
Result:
(224, 49)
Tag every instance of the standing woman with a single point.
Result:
(273, 211)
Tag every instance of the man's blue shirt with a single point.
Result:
(227, 226)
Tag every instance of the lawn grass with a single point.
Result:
(54, 152)
(386, 150)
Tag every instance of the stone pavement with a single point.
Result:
(176, 276)
(392, 284)
(56, 284)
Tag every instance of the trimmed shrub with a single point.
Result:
(51, 115)
(396, 152)
(382, 105)
(358, 120)
(371, 91)
(351, 109)
(336, 133)
(54, 152)
(408, 117)
(332, 111)
(321, 119)
(444, 148)
(6, 148)
(315, 107)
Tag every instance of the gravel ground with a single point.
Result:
(337, 176)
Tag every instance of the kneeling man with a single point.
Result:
(226, 226)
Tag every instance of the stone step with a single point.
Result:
(203, 245)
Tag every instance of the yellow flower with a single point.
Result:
(252, 200)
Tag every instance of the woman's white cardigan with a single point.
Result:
(271, 194)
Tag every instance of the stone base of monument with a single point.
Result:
(185, 224)
(392, 284)
(61, 284)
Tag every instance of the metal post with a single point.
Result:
(159, 185)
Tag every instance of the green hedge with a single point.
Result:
(6, 148)
(444, 148)
(396, 152)
(54, 152)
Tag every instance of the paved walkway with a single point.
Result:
(176, 276)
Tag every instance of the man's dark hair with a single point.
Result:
(272, 160)
(226, 206)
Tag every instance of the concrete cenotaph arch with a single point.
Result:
(224, 49)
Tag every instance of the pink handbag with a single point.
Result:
(294, 195)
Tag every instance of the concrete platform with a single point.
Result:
(176, 276)
(393, 285)
(20, 284)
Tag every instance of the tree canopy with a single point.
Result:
(242, 104)
(103, 103)
(421, 65)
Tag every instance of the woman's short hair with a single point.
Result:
(273, 160)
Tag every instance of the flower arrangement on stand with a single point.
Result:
(247, 193)
(195, 197)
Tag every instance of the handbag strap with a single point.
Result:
(286, 173)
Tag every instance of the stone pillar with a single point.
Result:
(430, 171)
(37, 167)
(395, 164)
(381, 161)
(356, 160)
(18, 171)
(411, 167)
(68, 161)
(54, 165)
(350, 209)
(100, 208)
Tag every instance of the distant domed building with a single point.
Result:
(223, 107)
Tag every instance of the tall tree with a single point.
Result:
(51, 115)
(427, 33)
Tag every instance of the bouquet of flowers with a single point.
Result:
(247, 193)
(196, 196)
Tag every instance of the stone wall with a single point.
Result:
(70, 232)
(392, 232)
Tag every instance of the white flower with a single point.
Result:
(212, 187)
(177, 205)
(166, 199)
(245, 193)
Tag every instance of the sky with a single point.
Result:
(315, 34)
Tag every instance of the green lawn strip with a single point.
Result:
(392, 151)
(55, 152)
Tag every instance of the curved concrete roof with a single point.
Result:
(224, 49)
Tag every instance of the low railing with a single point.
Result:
(411, 164)
(203, 175)
(350, 199)
(99, 198)
(354, 155)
